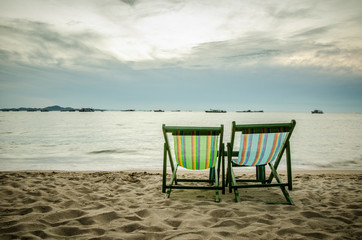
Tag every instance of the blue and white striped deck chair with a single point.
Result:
(260, 145)
(195, 148)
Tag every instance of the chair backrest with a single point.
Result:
(261, 144)
(195, 148)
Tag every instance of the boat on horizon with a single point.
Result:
(159, 110)
(250, 111)
(86, 110)
(215, 111)
(317, 111)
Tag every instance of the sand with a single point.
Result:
(130, 205)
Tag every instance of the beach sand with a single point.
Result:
(130, 205)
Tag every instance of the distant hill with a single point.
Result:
(58, 108)
(49, 108)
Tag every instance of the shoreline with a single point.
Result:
(313, 172)
(130, 205)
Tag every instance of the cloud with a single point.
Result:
(313, 32)
(290, 14)
(257, 49)
(38, 44)
(130, 51)
(129, 2)
(185, 34)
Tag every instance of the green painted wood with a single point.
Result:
(289, 167)
(164, 171)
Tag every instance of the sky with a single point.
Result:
(276, 56)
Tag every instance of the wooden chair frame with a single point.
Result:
(260, 170)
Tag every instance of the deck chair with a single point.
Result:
(195, 148)
(260, 145)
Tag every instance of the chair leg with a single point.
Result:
(173, 177)
(212, 176)
(229, 168)
(217, 197)
(230, 180)
(233, 185)
(289, 168)
(164, 172)
(227, 175)
(227, 178)
(260, 174)
(285, 192)
(287, 196)
(223, 170)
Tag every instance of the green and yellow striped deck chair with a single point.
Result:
(260, 145)
(194, 148)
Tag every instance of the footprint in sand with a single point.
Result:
(106, 217)
(143, 213)
(74, 231)
(173, 223)
(64, 215)
(86, 221)
(310, 214)
(40, 234)
(42, 209)
(28, 201)
(22, 227)
(133, 227)
(222, 213)
(133, 218)
(231, 223)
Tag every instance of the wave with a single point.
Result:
(111, 151)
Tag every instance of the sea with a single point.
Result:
(119, 140)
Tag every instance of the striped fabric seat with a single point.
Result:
(196, 152)
(259, 149)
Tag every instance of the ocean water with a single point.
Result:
(113, 140)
